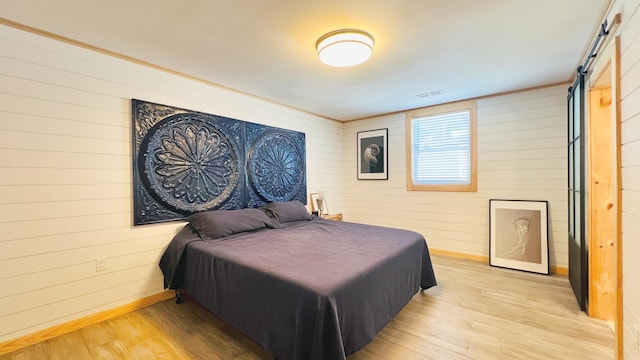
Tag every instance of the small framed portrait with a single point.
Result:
(373, 160)
(318, 204)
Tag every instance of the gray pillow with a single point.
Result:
(287, 211)
(216, 224)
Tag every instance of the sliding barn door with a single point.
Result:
(578, 252)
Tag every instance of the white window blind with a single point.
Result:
(441, 149)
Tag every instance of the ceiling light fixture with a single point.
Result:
(345, 47)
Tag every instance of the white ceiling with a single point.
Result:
(466, 48)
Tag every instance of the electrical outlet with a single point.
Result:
(101, 263)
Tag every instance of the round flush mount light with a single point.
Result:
(345, 47)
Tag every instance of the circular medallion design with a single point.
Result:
(276, 167)
(189, 163)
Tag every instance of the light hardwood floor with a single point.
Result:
(477, 312)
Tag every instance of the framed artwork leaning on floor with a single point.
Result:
(518, 235)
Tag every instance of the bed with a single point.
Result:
(303, 288)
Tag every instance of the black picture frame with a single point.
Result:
(373, 158)
(519, 235)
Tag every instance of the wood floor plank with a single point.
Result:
(477, 312)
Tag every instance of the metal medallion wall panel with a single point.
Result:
(275, 165)
(186, 161)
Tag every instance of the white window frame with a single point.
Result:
(469, 106)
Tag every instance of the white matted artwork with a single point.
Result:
(518, 235)
(373, 161)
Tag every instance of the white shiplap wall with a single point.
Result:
(630, 159)
(521, 155)
(65, 176)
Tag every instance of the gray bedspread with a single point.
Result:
(314, 290)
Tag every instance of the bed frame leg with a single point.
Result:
(178, 297)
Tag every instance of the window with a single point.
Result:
(441, 148)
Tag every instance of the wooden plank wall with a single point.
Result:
(630, 161)
(65, 176)
(522, 154)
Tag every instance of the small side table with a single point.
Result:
(336, 217)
